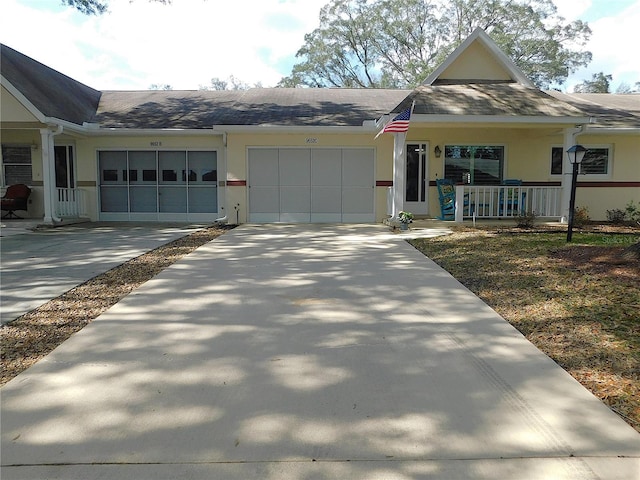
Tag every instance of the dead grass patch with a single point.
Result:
(578, 302)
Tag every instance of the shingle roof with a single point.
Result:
(608, 109)
(59, 96)
(258, 106)
(486, 99)
(51, 92)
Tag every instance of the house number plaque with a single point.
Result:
(155, 144)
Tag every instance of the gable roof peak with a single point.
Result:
(495, 65)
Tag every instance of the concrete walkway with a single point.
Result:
(298, 352)
(38, 266)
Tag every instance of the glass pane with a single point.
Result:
(60, 156)
(413, 172)
(143, 199)
(171, 165)
(17, 174)
(203, 167)
(172, 199)
(113, 199)
(487, 166)
(72, 178)
(457, 163)
(17, 164)
(140, 162)
(203, 199)
(16, 154)
(595, 162)
(557, 156)
(112, 166)
(477, 165)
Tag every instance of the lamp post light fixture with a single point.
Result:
(575, 154)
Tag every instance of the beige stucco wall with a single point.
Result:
(527, 156)
(476, 63)
(239, 143)
(11, 110)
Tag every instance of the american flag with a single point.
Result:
(399, 124)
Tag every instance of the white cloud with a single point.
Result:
(187, 43)
(184, 44)
(613, 41)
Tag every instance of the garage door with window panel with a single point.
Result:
(158, 185)
(320, 185)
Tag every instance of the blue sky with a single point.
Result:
(185, 44)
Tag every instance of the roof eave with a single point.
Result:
(500, 119)
(604, 130)
(97, 130)
(366, 127)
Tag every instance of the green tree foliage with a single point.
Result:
(600, 83)
(625, 88)
(160, 86)
(96, 7)
(231, 83)
(397, 43)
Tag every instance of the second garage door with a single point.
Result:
(302, 185)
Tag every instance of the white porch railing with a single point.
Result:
(71, 203)
(507, 201)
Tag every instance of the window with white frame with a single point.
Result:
(474, 164)
(597, 160)
(16, 164)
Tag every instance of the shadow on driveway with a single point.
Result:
(299, 352)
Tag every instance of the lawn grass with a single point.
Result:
(579, 303)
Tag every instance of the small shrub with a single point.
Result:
(405, 217)
(632, 212)
(616, 216)
(581, 216)
(526, 219)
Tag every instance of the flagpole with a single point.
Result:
(399, 126)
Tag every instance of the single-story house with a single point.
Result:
(312, 155)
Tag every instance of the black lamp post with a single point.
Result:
(575, 154)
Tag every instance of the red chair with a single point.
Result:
(15, 198)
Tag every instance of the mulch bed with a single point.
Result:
(35, 334)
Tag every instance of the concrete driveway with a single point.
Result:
(40, 265)
(300, 352)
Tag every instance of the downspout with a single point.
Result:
(48, 173)
(570, 135)
(222, 208)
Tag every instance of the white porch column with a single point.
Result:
(49, 174)
(570, 135)
(399, 173)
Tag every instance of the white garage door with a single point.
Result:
(302, 185)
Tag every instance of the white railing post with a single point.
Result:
(459, 212)
(507, 201)
(70, 202)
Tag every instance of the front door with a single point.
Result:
(417, 174)
(65, 174)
